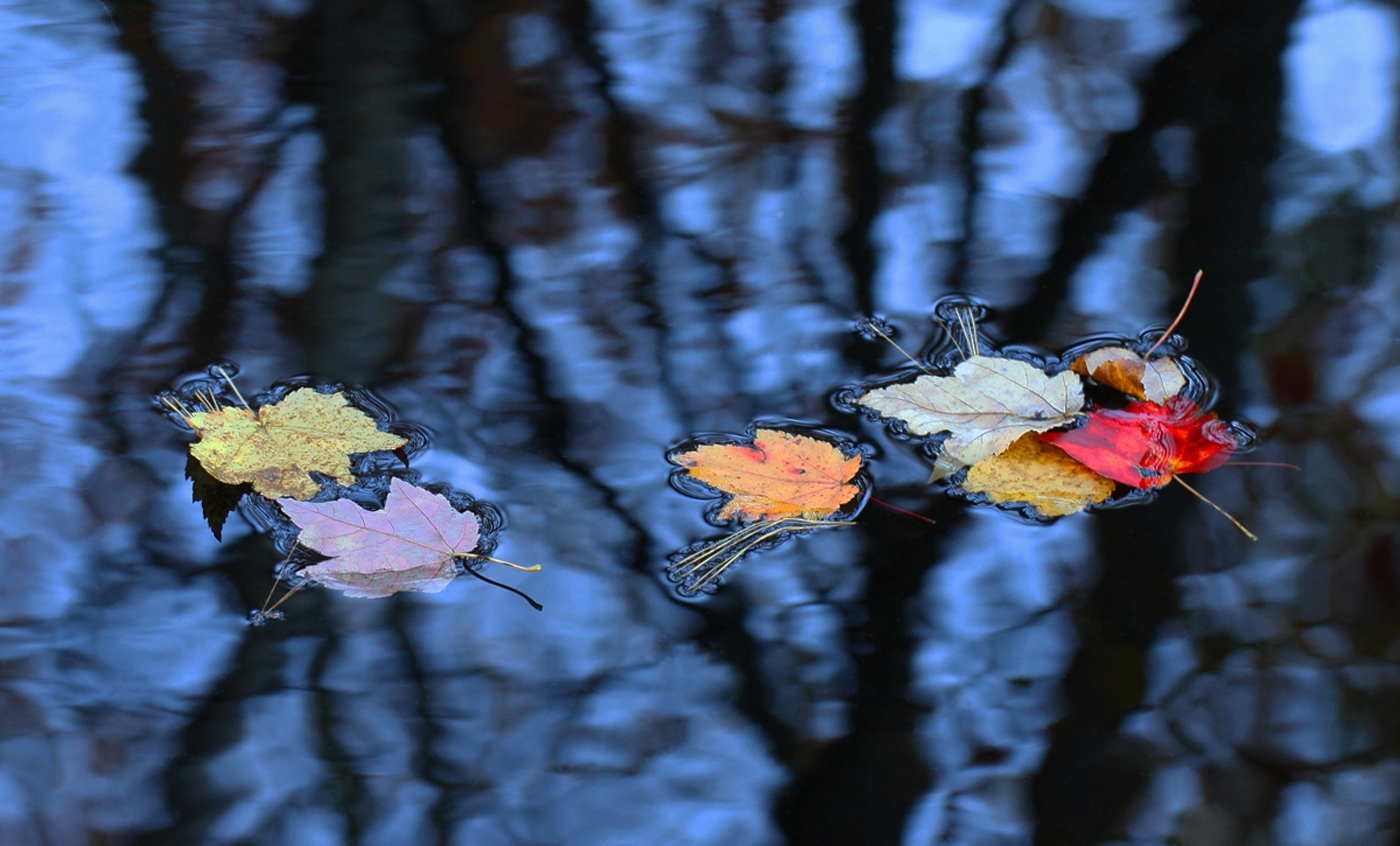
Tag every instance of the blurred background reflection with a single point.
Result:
(564, 234)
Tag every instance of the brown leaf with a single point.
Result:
(1124, 370)
(1040, 475)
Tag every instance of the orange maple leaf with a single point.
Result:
(779, 475)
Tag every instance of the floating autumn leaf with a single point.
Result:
(987, 403)
(1145, 444)
(779, 475)
(415, 542)
(1140, 376)
(1124, 370)
(277, 447)
(782, 484)
(1046, 478)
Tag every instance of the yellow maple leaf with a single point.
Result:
(1124, 370)
(1043, 476)
(276, 447)
(780, 475)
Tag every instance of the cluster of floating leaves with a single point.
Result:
(1104, 424)
(300, 456)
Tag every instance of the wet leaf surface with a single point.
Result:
(1145, 444)
(987, 403)
(781, 484)
(277, 447)
(415, 542)
(1039, 475)
(779, 475)
(1125, 370)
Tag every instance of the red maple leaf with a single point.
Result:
(1145, 444)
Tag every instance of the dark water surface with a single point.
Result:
(564, 236)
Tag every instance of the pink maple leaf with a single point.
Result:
(412, 543)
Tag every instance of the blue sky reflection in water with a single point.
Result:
(564, 236)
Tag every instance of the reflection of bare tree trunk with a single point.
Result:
(364, 94)
(1230, 73)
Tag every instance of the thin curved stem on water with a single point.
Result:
(180, 410)
(1261, 464)
(1180, 314)
(229, 380)
(531, 569)
(268, 611)
(891, 341)
(282, 568)
(520, 593)
(701, 568)
(1202, 498)
(968, 325)
(207, 399)
(929, 520)
(701, 556)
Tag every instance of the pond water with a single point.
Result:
(565, 237)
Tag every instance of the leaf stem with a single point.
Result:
(969, 329)
(891, 341)
(1202, 498)
(712, 560)
(180, 410)
(531, 569)
(281, 568)
(229, 380)
(1260, 464)
(211, 402)
(1180, 314)
(283, 599)
(701, 556)
(928, 520)
(520, 593)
